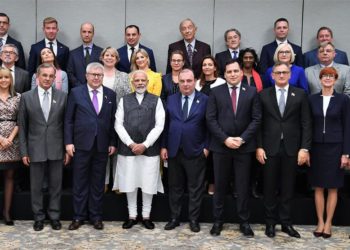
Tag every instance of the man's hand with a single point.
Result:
(138, 149)
(260, 155)
(164, 154)
(70, 149)
(230, 142)
(66, 159)
(206, 152)
(344, 161)
(111, 150)
(303, 157)
(26, 160)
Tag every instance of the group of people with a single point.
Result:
(110, 115)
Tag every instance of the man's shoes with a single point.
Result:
(216, 229)
(288, 229)
(172, 224)
(148, 224)
(270, 230)
(129, 223)
(38, 225)
(194, 226)
(98, 225)
(56, 224)
(75, 224)
(246, 230)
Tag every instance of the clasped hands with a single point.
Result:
(233, 142)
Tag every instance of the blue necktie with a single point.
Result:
(185, 108)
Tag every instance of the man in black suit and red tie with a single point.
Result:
(50, 29)
(233, 117)
(5, 38)
(193, 49)
(284, 141)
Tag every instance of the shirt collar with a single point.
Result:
(54, 42)
(237, 85)
(324, 66)
(99, 89)
(88, 45)
(278, 88)
(4, 38)
(279, 41)
(41, 90)
(191, 96)
(231, 50)
(193, 43)
(136, 47)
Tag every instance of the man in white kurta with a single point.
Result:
(139, 122)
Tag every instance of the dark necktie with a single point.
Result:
(132, 52)
(1, 43)
(234, 54)
(234, 98)
(190, 53)
(185, 108)
(87, 55)
(51, 46)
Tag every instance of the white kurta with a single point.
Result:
(139, 171)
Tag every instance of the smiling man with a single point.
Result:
(193, 49)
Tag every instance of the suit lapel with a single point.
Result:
(81, 56)
(178, 105)
(195, 105)
(36, 103)
(241, 99)
(105, 100)
(53, 104)
(274, 102)
(290, 100)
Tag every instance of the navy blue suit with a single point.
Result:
(311, 59)
(34, 55)
(21, 62)
(76, 67)
(124, 63)
(268, 51)
(185, 141)
(91, 134)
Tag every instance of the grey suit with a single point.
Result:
(342, 85)
(42, 142)
(22, 82)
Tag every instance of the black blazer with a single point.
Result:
(21, 62)
(201, 49)
(34, 55)
(296, 123)
(221, 59)
(223, 123)
(335, 126)
(268, 51)
(22, 80)
(76, 67)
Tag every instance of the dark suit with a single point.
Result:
(200, 50)
(76, 67)
(22, 82)
(91, 134)
(223, 123)
(185, 141)
(221, 59)
(34, 56)
(21, 62)
(168, 87)
(124, 63)
(42, 142)
(268, 51)
(311, 59)
(281, 162)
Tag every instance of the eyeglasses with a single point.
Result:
(8, 52)
(281, 72)
(328, 76)
(284, 52)
(176, 61)
(326, 50)
(4, 22)
(94, 75)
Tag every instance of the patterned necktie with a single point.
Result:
(132, 52)
(234, 99)
(1, 43)
(190, 53)
(51, 46)
(87, 55)
(234, 54)
(185, 108)
(45, 105)
(95, 100)
(282, 101)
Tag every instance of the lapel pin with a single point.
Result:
(292, 94)
(243, 88)
(105, 97)
(53, 101)
(197, 101)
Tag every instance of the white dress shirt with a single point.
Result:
(54, 45)
(41, 92)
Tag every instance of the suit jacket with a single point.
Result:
(295, 124)
(223, 122)
(124, 63)
(21, 62)
(311, 59)
(22, 80)
(41, 140)
(342, 85)
(168, 87)
(191, 134)
(82, 125)
(76, 67)
(221, 59)
(334, 127)
(34, 55)
(201, 49)
(268, 51)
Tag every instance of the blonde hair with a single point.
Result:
(279, 48)
(6, 71)
(133, 59)
(113, 50)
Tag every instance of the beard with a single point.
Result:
(140, 90)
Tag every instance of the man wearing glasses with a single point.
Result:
(284, 140)
(326, 54)
(90, 138)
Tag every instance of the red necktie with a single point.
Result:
(234, 98)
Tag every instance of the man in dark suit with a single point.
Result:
(324, 34)
(5, 38)
(233, 117)
(41, 117)
(283, 143)
(90, 138)
(233, 42)
(132, 39)
(281, 28)
(184, 146)
(50, 29)
(9, 56)
(193, 49)
(80, 57)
